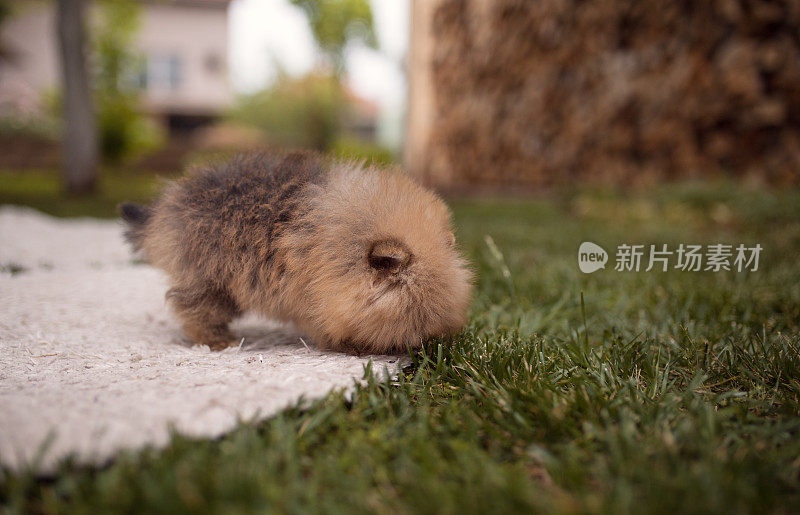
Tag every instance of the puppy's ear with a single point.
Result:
(388, 256)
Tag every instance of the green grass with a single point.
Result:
(41, 189)
(661, 392)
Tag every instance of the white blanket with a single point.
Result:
(91, 362)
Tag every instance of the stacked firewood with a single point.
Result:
(541, 92)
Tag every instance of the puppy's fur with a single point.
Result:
(361, 259)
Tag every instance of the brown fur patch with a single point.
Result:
(361, 259)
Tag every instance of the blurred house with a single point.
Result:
(362, 118)
(521, 93)
(184, 43)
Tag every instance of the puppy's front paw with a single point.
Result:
(221, 344)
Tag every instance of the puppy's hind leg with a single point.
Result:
(205, 313)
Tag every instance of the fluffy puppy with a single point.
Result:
(360, 259)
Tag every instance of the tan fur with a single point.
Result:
(359, 258)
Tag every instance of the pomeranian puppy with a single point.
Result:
(361, 259)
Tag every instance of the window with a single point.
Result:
(213, 63)
(163, 73)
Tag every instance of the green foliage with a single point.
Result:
(5, 11)
(662, 392)
(124, 130)
(113, 39)
(309, 111)
(43, 190)
(335, 23)
(45, 127)
(349, 147)
(296, 112)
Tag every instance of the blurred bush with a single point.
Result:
(316, 111)
(349, 147)
(313, 111)
(38, 127)
(125, 132)
(30, 138)
(296, 112)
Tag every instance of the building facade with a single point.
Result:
(183, 44)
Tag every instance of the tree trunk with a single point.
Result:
(80, 132)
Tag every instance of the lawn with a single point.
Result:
(42, 190)
(621, 392)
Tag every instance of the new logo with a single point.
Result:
(591, 257)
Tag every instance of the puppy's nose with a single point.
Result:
(388, 256)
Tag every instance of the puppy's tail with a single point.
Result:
(136, 216)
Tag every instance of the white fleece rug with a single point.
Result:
(91, 361)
